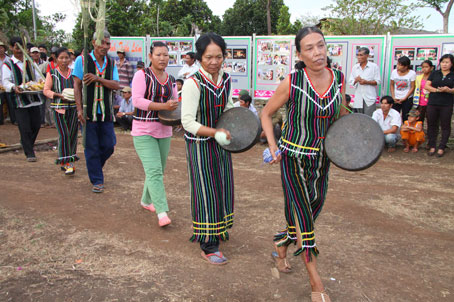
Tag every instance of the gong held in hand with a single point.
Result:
(244, 128)
(171, 118)
(354, 142)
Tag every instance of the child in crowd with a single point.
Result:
(180, 83)
(411, 132)
(421, 96)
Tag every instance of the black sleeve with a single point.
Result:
(431, 76)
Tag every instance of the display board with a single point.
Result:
(134, 47)
(272, 62)
(343, 50)
(238, 63)
(417, 48)
(178, 47)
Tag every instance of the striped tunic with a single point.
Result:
(210, 167)
(156, 92)
(67, 122)
(60, 82)
(304, 164)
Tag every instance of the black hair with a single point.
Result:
(205, 40)
(191, 54)
(404, 61)
(428, 62)
(15, 40)
(450, 57)
(157, 44)
(60, 50)
(77, 53)
(180, 81)
(303, 32)
(30, 45)
(364, 49)
(246, 98)
(348, 98)
(42, 46)
(43, 56)
(389, 99)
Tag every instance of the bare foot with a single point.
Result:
(407, 149)
(414, 150)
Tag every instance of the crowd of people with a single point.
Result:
(314, 96)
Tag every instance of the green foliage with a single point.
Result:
(284, 26)
(16, 19)
(369, 17)
(249, 16)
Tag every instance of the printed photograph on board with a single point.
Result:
(427, 53)
(265, 46)
(404, 52)
(239, 67)
(227, 67)
(186, 46)
(281, 46)
(265, 74)
(334, 50)
(239, 53)
(448, 48)
(228, 53)
(173, 46)
(173, 59)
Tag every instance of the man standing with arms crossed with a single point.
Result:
(365, 78)
(101, 79)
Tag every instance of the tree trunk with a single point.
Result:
(445, 23)
(157, 23)
(268, 16)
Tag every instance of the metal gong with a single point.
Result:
(354, 142)
(170, 118)
(244, 128)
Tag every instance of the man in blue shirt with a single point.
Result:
(124, 115)
(101, 80)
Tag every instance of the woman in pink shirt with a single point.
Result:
(421, 96)
(152, 92)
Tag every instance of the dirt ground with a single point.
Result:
(385, 234)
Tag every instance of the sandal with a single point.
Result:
(98, 188)
(440, 153)
(320, 297)
(282, 264)
(215, 258)
(431, 152)
(406, 149)
(414, 150)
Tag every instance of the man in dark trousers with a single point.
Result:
(27, 110)
(101, 79)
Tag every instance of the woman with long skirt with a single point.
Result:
(206, 95)
(313, 95)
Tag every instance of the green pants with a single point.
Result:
(153, 154)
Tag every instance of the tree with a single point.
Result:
(284, 26)
(369, 17)
(438, 5)
(249, 16)
(16, 19)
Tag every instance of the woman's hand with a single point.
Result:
(80, 116)
(276, 158)
(59, 96)
(227, 132)
(171, 105)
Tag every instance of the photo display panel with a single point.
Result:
(134, 47)
(237, 63)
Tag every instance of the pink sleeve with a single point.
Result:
(138, 91)
(48, 87)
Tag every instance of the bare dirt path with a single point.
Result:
(385, 234)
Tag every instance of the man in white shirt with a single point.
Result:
(190, 67)
(4, 96)
(365, 77)
(389, 121)
(245, 101)
(28, 113)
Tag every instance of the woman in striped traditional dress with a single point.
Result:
(152, 92)
(64, 110)
(206, 95)
(313, 95)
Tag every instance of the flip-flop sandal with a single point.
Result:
(320, 297)
(282, 264)
(98, 188)
(215, 258)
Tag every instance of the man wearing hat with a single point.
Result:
(72, 57)
(125, 70)
(36, 56)
(124, 115)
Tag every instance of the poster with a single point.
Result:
(178, 47)
(404, 52)
(448, 48)
(134, 49)
(238, 63)
(429, 53)
(336, 54)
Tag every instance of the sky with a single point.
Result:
(297, 9)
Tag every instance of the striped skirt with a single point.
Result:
(67, 125)
(305, 184)
(211, 184)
